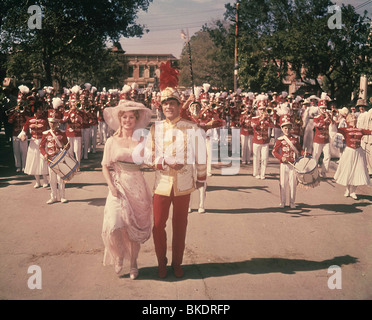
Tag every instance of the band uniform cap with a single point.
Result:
(322, 103)
(54, 115)
(111, 114)
(170, 93)
(285, 119)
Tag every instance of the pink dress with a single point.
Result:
(127, 218)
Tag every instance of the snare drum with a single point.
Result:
(64, 165)
(307, 172)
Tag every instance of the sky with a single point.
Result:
(166, 18)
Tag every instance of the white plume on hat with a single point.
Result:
(261, 97)
(66, 91)
(206, 87)
(298, 99)
(250, 95)
(126, 88)
(197, 92)
(87, 86)
(24, 89)
(75, 89)
(284, 94)
(93, 90)
(57, 102)
(49, 89)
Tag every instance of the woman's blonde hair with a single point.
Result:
(120, 114)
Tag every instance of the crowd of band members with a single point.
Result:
(255, 115)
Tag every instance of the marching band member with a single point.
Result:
(246, 134)
(35, 162)
(287, 149)
(18, 118)
(261, 139)
(74, 121)
(297, 125)
(175, 178)
(52, 142)
(352, 170)
(321, 137)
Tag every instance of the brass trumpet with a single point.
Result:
(19, 109)
(269, 110)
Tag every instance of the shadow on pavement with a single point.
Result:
(253, 266)
(301, 209)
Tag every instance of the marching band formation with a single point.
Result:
(46, 124)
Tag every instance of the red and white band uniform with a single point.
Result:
(246, 137)
(74, 121)
(287, 156)
(321, 140)
(352, 170)
(172, 186)
(18, 119)
(36, 165)
(261, 140)
(49, 148)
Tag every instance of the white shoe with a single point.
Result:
(354, 196)
(37, 185)
(50, 201)
(281, 205)
(201, 210)
(189, 211)
(257, 177)
(262, 177)
(347, 193)
(63, 200)
(18, 170)
(45, 185)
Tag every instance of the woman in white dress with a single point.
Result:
(352, 170)
(127, 215)
(35, 162)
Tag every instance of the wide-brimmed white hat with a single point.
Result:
(111, 114)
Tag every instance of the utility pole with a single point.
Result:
(236, 67)
(363, 86)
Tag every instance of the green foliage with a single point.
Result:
(210, 63)
(278, 37)
(72, 40)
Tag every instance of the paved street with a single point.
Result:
(243, 247)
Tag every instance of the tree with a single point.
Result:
(278, 36)
(73, 34)
(208, 63)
